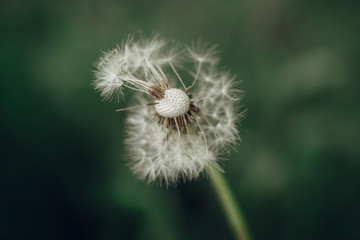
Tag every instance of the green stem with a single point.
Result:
(232, 210)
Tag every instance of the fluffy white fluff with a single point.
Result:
(152, 158)
(154, 154)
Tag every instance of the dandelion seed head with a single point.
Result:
(172, 134)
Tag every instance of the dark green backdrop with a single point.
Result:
(296, 174)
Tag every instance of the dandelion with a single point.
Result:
(186, 114)
(175, 131)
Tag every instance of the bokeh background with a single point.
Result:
(296, 174)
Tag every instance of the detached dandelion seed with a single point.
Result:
(175, 131)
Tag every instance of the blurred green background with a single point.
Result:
(296, 174)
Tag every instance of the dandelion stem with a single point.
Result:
(232, 210)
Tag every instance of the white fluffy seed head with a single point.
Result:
(155, 153)
(174, 104)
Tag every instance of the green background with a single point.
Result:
(296, 174)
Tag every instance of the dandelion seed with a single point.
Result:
(171, 136)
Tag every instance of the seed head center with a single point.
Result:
(174, 104)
